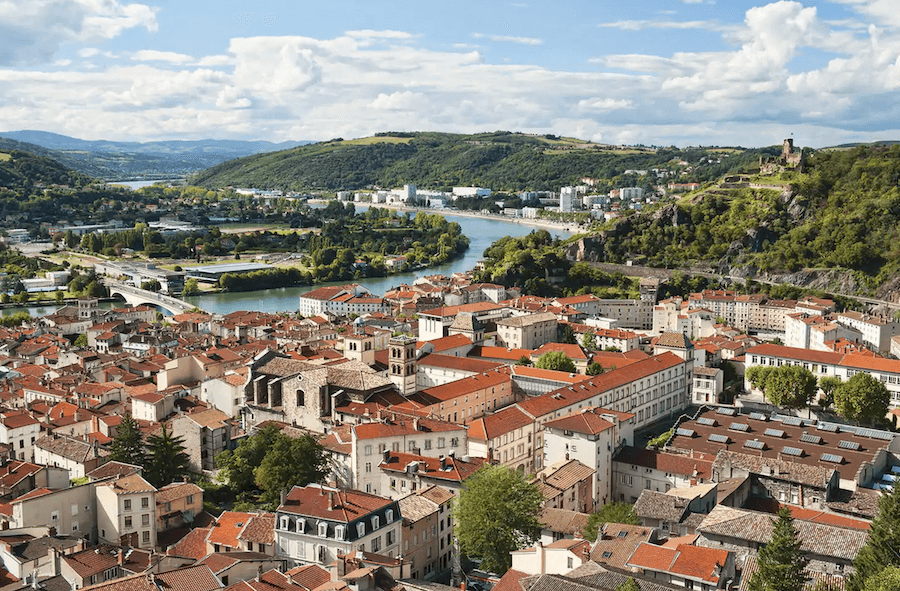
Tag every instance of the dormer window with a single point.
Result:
(283, 523)
(301, 525)
(339, 532)
(389, 516)
(323, 530)
(375, 521)
(360, 529)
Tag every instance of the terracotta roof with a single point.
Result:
(563, 520)
(573, 352)
(699, 466)
(348, 504)
(674, 340)
(402, 425)
(188, 578)
(652, 557)
(587, 420)
(93, 560)
(698, 562)
(260, 529)
(436, 494)
(563, 476)
(491, 426)
(454, 310)
(193, 545)
(458, 363)
(464, 386)
(456, 470)
(228, 527)
(177, 490)
(618, 542)
(309, 577)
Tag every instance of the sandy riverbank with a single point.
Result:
(538, 223)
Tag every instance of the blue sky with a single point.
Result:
(661, 72)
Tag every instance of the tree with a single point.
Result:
(594, 369)
(524, 360)
(588, 341)
(128, 444)
(58, 296)
(191, 287)
(290, 462)
(81, 341)
(661, 439)
(555, 360)
(629, 585)
(781, 565)
(757, 376)
(828, 384)
(880, 550)
(496, 513)
(790, 386)
(568, 335)
(151, 285)
(862, 398)
(886, 580)
(615, 512)
(166, 458)
(237, 468)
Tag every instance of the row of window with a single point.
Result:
(298, 525)
(412, 445)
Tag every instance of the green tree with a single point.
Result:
(886, 580)
(288, 463)
(589, 341)
(128, 444)
(615, 512)
(237, 468)
(568, 335)
(496, 513)
(781, 564)
(58, 296)
(862, 398)
(757, 376)
(555, 360)
(594, 369)
(166, 458)
(828, 384)
(524, 360)
(81, 341)
(151, 285)
(629, 585)
(790, 386)
(191, 287)
(881, 549)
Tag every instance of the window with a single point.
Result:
(75, 509)
(128, 522)
(368, 450)
(300, 398)
(441, 443)
(376, 544)
(389, 538)
(360, 529)
(339, 532)
(427, 444)
(145, 502)
(190, 499)
(389, 516)
(323, 530)
(283, 522)
(128, 504)
(375, 522)
(145, 519)
(368, 467)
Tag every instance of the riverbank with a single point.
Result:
(538, 223)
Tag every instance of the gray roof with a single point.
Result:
(353, 374)
(38, 547)
(656, 505)
(414, 507)
(71, 449)
(816, 538)
(527, 319)
(805, 474)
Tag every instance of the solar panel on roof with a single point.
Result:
(758, 416)
(874, 434)
(830, 427)
(852, 445)
(684, 432)
(726, 411)
(715, 437)
(706, 421)
(807, 438)
(792, 451)
(774, 433)
(743, 427)
(792, 421)
(834, 458)
(755, 444)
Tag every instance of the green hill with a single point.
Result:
(503, 161)
(839, 221)
(20, 170)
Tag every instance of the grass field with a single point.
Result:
(4, 156)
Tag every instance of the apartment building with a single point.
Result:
(126, 512)
(876, 331)
(528, 331)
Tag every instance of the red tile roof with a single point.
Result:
(699, 562)
(587, 420)
(504, 421)
(193, 545)
(348, 505)
(228, 527)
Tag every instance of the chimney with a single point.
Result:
(120, 557)
(443, 463)
(415, 424)
(54, 560)
(95, 449)
(258, 573)
(283, 496)
(387, 455)
(331, 500)
(542, 557)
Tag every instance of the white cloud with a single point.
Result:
(33, 30)
(605, 104)
(150, 55)
(640, 25)
(399, 100)
(510, 39)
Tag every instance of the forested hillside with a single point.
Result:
(22, 170)
(843, 213)
(502, 161)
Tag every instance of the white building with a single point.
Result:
(316, 523)
(567, 197)
(877, 331)
(126, 512)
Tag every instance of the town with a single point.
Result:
(147, 451)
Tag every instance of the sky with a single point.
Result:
(653, 72)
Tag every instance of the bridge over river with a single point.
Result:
(137, 296)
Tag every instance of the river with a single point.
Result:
(482, 232)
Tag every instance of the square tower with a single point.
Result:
(402, 361)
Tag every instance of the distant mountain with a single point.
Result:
(503, 161)
(113, 160)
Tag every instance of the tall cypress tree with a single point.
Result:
(883, 547)
(167, 459)
(781, 563)
(128, 444)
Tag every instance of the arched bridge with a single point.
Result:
(137, 296)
